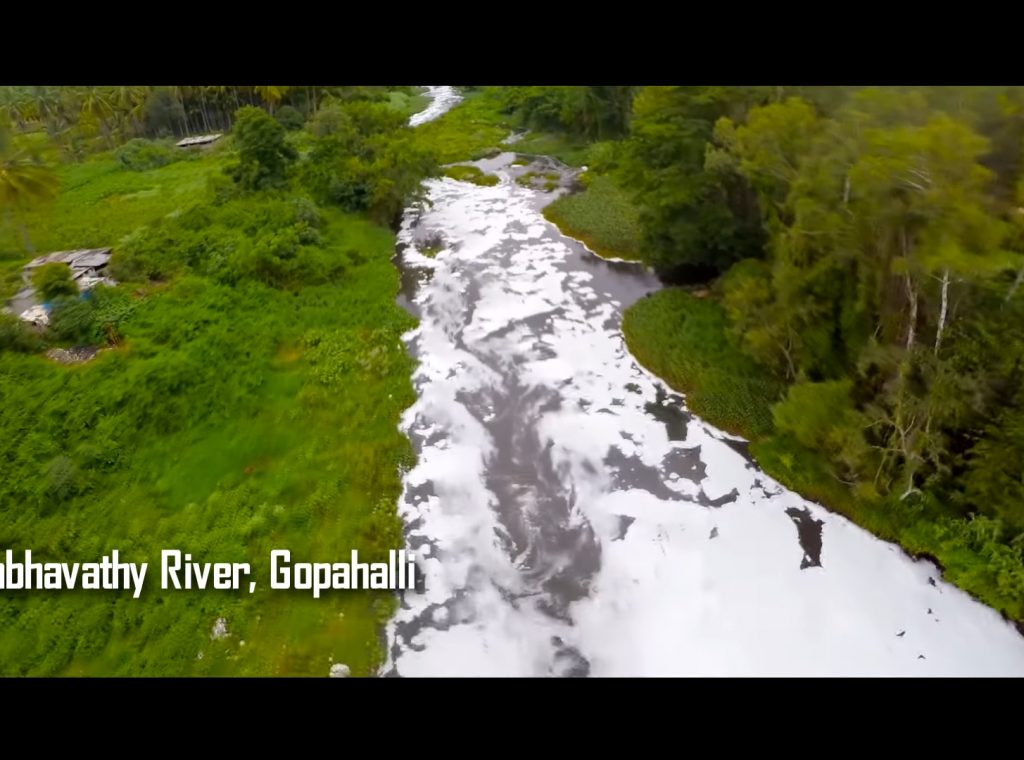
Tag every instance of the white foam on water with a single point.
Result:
(442, 99)
(666, 598)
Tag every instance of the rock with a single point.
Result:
(76, 355)
(340, 671)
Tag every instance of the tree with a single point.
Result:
(264, 155)
(691, 218)
(365, 159)
(272, 95)
(24, 182)
(822, 416)
(53, 281)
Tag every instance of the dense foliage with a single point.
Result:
(81, 120)
(872, 251)
(365, 159)
(245, 396)
(595, 113)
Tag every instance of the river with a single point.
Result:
(571, 517)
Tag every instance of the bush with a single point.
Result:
(275, 241)
(140, 155)
(15, 335)
(74, 320)
(53, 281)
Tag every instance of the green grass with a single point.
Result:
(233, 419)
(471, 174)
(408, 104)
(467, 132)
(602, 216)
(566, 149)
(683, 339)
(100, 203)
(526, 178)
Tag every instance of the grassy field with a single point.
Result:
(234, 418)
(683, 340)
(602, 216)
(100, 203)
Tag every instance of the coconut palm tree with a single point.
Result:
(272, 95)
(24, 182)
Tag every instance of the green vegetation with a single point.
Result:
(568, 150)
(263, 154)
(54, 280)
(467, 132)
(471, 174)
(366, 159)
(246, 397)
(871, 249)
(864, 249)
(571, 115)
(526, 178)
(408, 103)
(140, 154)
(683, 339)
(74, 122)
(100, 203)
(563, 121)
(602, 216)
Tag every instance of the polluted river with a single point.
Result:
(572, 518)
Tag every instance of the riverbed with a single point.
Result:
(572, 518)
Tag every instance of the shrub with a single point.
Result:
(140, 155)
(74, 320)
(15, 335)
(53, 281)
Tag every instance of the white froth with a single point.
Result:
(441, 99)
(682, 589)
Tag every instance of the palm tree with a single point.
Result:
(272, 95)
(95, 103)
(129, 104)
(24, 182)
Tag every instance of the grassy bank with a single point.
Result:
(467, 132)
(252, 404)
(568, 150)
(602, 216)
(683, 339)
(409, 103)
